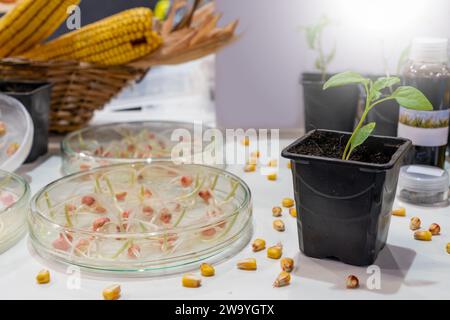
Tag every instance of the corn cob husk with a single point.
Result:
(31, 22)
(116, 40)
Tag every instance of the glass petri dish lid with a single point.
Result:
(16, 133)
(14, 204)
(142, 218)
(130, 142)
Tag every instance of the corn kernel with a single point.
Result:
(399, 212)
(279, 225)
(250, 168)
(293, 212)
(287, 202)
(275, 252)
(287, 264)
(253, 161)
(272, 177)
(352, 282)
(289, 165)
(423, 235)
(435, 229)
(276, 211)
(43, 277)
(255, 154)
(272, 163)
(246, 141)
(247, 264)
(207, 270)
(283, 279)
(112, 292)
(415, 223)
(191, 281)
(448, 248)
(258, 245)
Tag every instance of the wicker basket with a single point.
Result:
(81, 88)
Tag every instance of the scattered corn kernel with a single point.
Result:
(352, 282)
(272, 163)
(272, 177)
(250, 168)
(255, 154)
(253, 161)
(207, 270)
(247, 264)
(112, 292)
(435, 229)
(293, 212)
(246, 141)
(191, 281)
(12, 148)
(2, 129)
(283, 279)
(289, 165)
(423, 235)
(275, 252)
(258, 245)
(43, 277)
(276, 211)
(448, 248)
(287, 202)
(415, 223)
(399, 212)
(279, 225)
(287, 264)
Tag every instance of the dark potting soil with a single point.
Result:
(332, 145)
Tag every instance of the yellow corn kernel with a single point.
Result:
(283, 279)
(207, 270)
(112, 292)
(415, 223)
(275, 252)
(287, 264)
(258, 245)
(289, 165)
(287, 202)
(423, 235)
(448, 248)
(246, 141)
(255, 154)
(272, 163)
(43, 277)
(279, 225)
(272, 177)
(293, 212)
(252, 161)
(250, 168)
(2, 129)
(352, 282)
(435, 229)
(399, 212)
(247, 264)
(191, 281)
(276, 211)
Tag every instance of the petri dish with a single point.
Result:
(14, 204)
(129, 142)
(16, 133)
(142, 218)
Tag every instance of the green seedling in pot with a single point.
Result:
(407, 97)
(314, 41)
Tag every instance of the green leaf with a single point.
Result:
(404, 56)
(411, 98)
(311, 35)
(360, 136)
(385, 82)
(345, 78)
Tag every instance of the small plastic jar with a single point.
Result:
(423, 185)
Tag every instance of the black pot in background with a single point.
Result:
(35, 96)
(344, 207)
(333, 109)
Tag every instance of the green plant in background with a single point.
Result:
(406, 96)
(314, 40)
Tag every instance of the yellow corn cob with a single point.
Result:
(31, 22)
(116, 40)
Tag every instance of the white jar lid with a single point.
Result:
(419, 178)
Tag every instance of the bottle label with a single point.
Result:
(424, 128)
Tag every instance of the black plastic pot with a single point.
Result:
(35, 96)
(344, 207)
(333, 109)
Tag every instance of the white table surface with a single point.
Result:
(409, 269)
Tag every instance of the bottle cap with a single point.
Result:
(429, 50)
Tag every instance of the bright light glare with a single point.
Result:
(381, 17)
